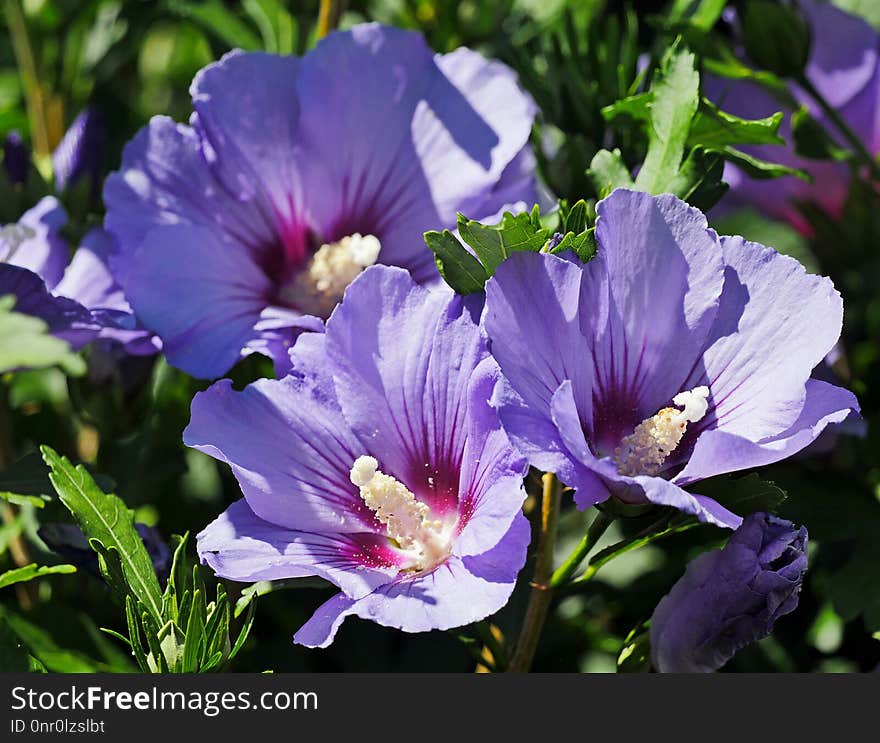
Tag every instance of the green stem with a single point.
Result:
(24, 56)
(328, 16)
(644, 537)
(542, 593)
(594, 533)
(840, 123)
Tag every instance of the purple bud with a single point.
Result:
(731, 597)
(69, 542)
(81, 150)
(16, 158)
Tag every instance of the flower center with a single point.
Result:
(655, 438)
(407, 521)
(319, 287)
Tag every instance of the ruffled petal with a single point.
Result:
(241, 546)
(65, 318)
(289, 447)
(461, 591)
(492, 473)
(718, 451)
(776, 322)
(402, 360)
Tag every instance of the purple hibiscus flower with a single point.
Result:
(80, 301)
(844, 66)
(672, 356)
(377, 464)
(731, 597)
(295, 174)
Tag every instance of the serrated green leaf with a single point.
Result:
(675, 100)
(105, 518)
(758, 168)
(493, 244)
(25, 343)
(32, 571)
(713, 128)
(464, 273)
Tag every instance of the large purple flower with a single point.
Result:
(672, 356)
(844, 65)
(295, 174)
(729, 598)
(377, 463)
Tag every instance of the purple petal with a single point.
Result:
(290, 449)
(34, 242)
(776, 322)
(247, 111)
(719, 451)
(491, 473)
(655, 286)
(65, 318)
(461, 591)
(402, 359)
(241, 546)
(165, 179)
(844, 52)
(198, 270)
(432, 137)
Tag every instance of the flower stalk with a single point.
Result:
(542, 591)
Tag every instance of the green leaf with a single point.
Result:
(464, 273)
(744, 495)
(105, 518)
(608, 171)
(853, 588)
(699, 14)
(812, 140)
(675, 99)
(576, 221)
(758, 168)
(635, 655)
(492, 244)
(699, 182)
(223, 22)
(25, 343)
(41, 645)
(713, 128)
(26, 481)
(29, 572)
(276, 25)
